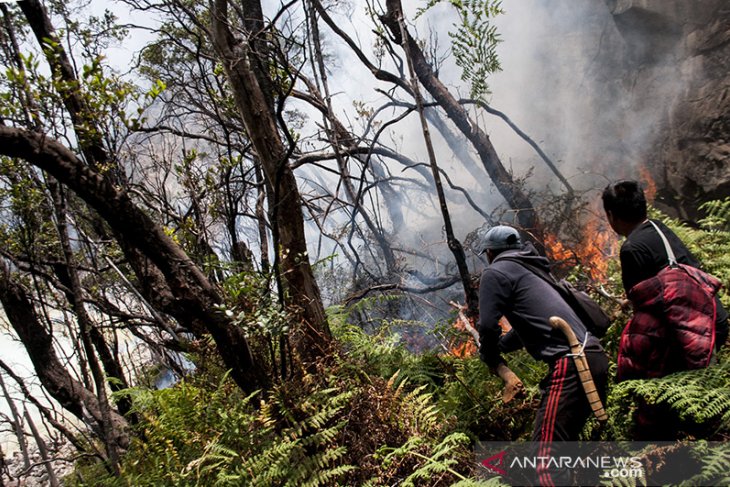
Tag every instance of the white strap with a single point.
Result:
(670, 252)
(582, 348)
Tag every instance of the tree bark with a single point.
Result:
(70, 393)
(249, 82)
(196, 299)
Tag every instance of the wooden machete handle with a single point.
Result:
(581, 364)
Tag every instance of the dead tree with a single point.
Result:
(472, 299)
(515, 197)
(340, 137)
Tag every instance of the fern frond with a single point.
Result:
(715, 465)
(700, 395)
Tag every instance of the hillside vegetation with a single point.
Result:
(376, 413)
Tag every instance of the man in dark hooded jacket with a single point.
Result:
(510, 289)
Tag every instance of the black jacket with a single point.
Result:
(527, 301)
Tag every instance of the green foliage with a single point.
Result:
(717, 215)
(200, 434)
(305, 453)
(697, 396)
(310, 431)
(443, 458)
(382, 353)
(474, 41)
(474, 396)
(715, 461)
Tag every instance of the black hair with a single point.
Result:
(625, 200)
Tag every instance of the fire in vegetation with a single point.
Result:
(462, 346)
(648, 183)
(465, 344)
(597, 246)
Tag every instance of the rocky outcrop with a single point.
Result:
(690, 156)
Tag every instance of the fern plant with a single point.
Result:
(428, 456)
(442, 459)
(382, 353)
(699, 396)
(715, 461)
(303, 454)
(717, 215)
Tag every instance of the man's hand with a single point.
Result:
(513, 386)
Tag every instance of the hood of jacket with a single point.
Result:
(528, 254)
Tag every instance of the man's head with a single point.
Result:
(500, 238)
(625, 205)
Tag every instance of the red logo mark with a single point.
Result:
(496, 468)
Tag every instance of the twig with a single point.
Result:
(465, 321)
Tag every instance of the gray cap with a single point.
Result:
(501, 237)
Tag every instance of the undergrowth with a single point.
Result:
(378, 413)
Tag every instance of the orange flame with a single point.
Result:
(597, 245)
(465, 346)
(648, 183)
(459, 347)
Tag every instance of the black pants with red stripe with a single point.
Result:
(564, 407)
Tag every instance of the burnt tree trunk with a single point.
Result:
(517, 200)
(472, 298)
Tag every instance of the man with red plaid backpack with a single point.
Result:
(678, 321)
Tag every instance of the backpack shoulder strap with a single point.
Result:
(670, 253)
(541, 273)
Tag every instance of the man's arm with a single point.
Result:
(509, 342)
(494, 291)
(634, 265)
